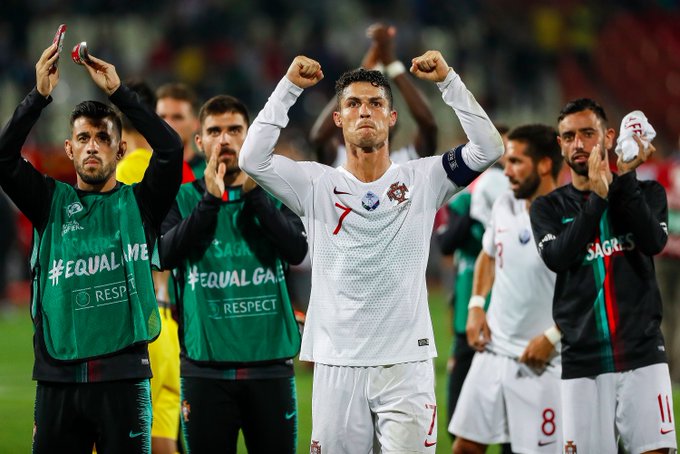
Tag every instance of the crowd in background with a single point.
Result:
(520, 58)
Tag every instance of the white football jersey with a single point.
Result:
(488, 187)
(368, 242)
(522, 292)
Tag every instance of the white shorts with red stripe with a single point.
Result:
(635, 405)
(380, 409)
(504, 401)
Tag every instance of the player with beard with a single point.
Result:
(511, 393)
(230, 244)
(368, 329)
(599, 234)
(93, 304)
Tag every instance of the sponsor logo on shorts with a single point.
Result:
(570, 447)
(546, 443)
(429, 444)
(289, 415)
(186, 409)
(315, 447)
(666, 431)
(423, 342)
(135, 434)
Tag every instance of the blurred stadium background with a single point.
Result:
(521, 59)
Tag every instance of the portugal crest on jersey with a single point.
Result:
(397, 192)
(315, 447)
(570, 448)
(370, 201)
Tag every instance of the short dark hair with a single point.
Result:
(375, 78)
(146, 96)
(95, 110)
(180, 92)
(581, 104)
(222, 104)
(541, 143)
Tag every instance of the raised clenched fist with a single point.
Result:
(430, 66)
(304, 72)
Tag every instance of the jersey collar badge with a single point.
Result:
(370, 201)
(524, 236)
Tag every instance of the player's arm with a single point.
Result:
(426, 138)
(324, 134)
(182, 238)
(645, 210)
(28, 189)
(288, 180)
(157, 190)
(477, 330)
(562, 239)
(464, 163)
(281, 226)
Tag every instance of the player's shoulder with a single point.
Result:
(561, 193)
(505, 201)
(491, 183)
(651, 185)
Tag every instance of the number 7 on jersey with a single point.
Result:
(345, 212)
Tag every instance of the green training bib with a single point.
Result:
(235, 305)
(92, 275)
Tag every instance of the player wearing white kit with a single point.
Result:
(369, 226)
(511, 393)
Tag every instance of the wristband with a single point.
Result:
(477, 301)
(553, 334)
(395, 69)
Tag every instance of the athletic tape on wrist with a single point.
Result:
(477, 301)
(395, 69)
(553, 335)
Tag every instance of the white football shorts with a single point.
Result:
(380, 409)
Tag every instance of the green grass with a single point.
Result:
(17, 391)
